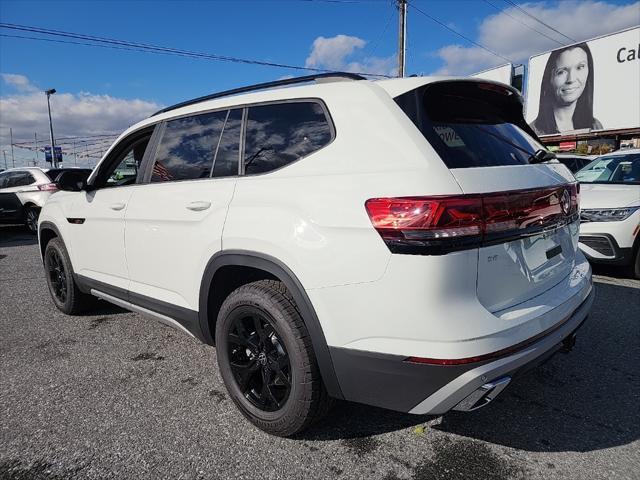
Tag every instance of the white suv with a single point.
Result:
(610, 229)
(396, 243)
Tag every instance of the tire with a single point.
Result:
(31, 215)
(261, 339)
(635, 264)
(59, 274)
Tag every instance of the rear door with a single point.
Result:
(531, 235)
(174, 222)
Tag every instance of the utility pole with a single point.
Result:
(402, 43)
(75, 157)
(5, 159)
(35, 158)
(53, 145)
(13, 160)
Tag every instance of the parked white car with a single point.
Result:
(23, 192)
(399, 243)
(610, 216)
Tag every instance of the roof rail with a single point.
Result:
(262, 86)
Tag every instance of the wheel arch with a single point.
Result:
(264, 266)
(46, 232)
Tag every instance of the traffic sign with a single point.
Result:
(58, 153)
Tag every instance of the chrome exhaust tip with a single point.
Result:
(483, 395)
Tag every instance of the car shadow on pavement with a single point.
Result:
(583, 401)
(15, 236)
(612, 270)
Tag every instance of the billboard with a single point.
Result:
(588, 86)
(501, 73)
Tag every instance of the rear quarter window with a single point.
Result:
(279, 134)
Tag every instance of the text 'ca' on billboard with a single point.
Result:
(588, 86)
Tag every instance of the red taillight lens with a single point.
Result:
(436, 225)
(48, 187)
(409, 223)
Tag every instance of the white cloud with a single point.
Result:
(337, 53)
(81, 114)
(19, 82)
(580, 20)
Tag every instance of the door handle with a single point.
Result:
(198, 206)
(117, 206)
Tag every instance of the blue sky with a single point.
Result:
(279, 31)
(327, 34)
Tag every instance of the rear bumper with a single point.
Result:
(388, 381)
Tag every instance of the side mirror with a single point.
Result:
(71, 181)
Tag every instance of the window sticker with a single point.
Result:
(449, 136)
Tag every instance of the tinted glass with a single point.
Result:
(618, 169)
(280, 134)
(4, 178)
(470, 124)
(20, 179)
(187, 147)
(229, 148)
(54, 173)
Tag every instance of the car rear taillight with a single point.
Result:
(438, 225)
(48, 187)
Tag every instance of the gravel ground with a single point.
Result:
(115, 395)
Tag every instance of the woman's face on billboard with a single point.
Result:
(570, 75)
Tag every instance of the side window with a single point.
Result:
(125, 170)
(228, 156)
(4, 179)
(188, 146)
(21, 179)
(283, 133)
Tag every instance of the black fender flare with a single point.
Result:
(278, 269)
(46, 225)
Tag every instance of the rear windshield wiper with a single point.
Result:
(539, 156)
(542, 156)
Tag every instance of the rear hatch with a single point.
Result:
(528, 212)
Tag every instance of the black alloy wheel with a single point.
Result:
(57, 275)
(31, 217)
(266, 359)
(63, 288)
(259, 360)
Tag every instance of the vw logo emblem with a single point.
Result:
(262, 358)
(565, 202)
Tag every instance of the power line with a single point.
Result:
(128, 45)
(373, 47)
(504, 12)
(458, 33)
(539, 21)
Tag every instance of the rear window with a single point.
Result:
(471, 124)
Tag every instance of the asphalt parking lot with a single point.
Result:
(115, 395)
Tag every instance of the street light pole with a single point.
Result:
(53, 145)
(13, 160)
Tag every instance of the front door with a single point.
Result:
(96, 216)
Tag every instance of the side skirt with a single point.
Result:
(180, 318)
(143, 311)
